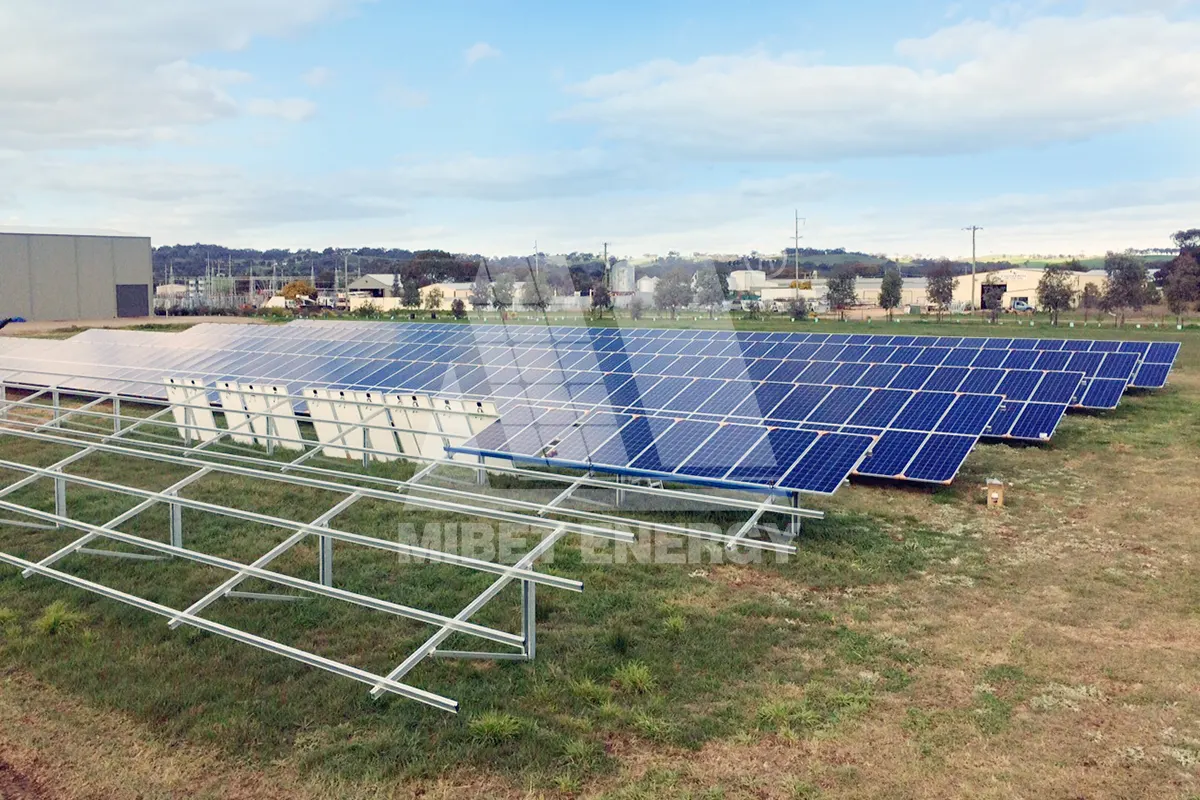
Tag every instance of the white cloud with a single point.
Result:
(478, 52)
(520, 177)
(185, 201)
(79, 73)
(971, 87)
(292, 109)
(396, 94)
(318, 77)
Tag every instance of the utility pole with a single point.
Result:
(607, 274)
(796, 250)
(973, 229)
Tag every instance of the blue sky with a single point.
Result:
(1061, 127)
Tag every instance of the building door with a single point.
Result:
(133, 300)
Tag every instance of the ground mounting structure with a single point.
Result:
(747, 422)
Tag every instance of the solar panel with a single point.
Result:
(564, 366)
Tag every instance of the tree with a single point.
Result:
(1183, 286)
(941, 285)
(709, 291)
(1187, 241)
(601, 299)
(481, 292)
(458, 308)
(1054, 292)
(993, 296)
(797, 309)
(889, 291)
(395, 282)
(410, 296)
(503, 289)
(637, 307)
(673, 291)
(535, 293)
(839, 290)
(1089, 299)
(297, 289)
(1126, 286)
(433, 299)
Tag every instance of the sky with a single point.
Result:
(1059, 126)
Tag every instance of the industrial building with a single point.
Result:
(67, 276)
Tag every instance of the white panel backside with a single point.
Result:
(377, 426)
(324, 420)
(234, 408)
(262, 400)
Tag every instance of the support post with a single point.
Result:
(54, 403)
(116, 407)
(797, 525)
(325, 560)
(529, 618)
(60, 497)
(176, 524)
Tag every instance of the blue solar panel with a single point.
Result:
(924, 411)
(727, 446)
(880, 408)
(1103, 393)
(673, 447)
(1057, 387)
(827, 463)
(1117, 365)
(839, 405)
(587, 438)
(764, 398)
(969, 414)
(629, 442)
(800, 402)
(1151, 376)
(891, 454)
(940, 458)
(1038, 421)
(772, 457)
(1002, 421)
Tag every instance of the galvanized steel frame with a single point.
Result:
(416, 492)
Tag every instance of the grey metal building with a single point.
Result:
(67, 276)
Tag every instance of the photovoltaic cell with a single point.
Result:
(772, 457)
(826, 463)
(727, 446)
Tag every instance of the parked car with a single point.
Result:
(1021, 307)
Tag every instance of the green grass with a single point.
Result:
(646, 651)
(655, 653)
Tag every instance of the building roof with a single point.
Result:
(98, 232)
(371, 279)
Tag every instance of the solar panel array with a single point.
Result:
(779, 412)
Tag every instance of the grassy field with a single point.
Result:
(920, 645)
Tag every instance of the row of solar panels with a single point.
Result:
(1138, 364)
(922, 435)
(1034, 401)
(940, 428)
(809, 346)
